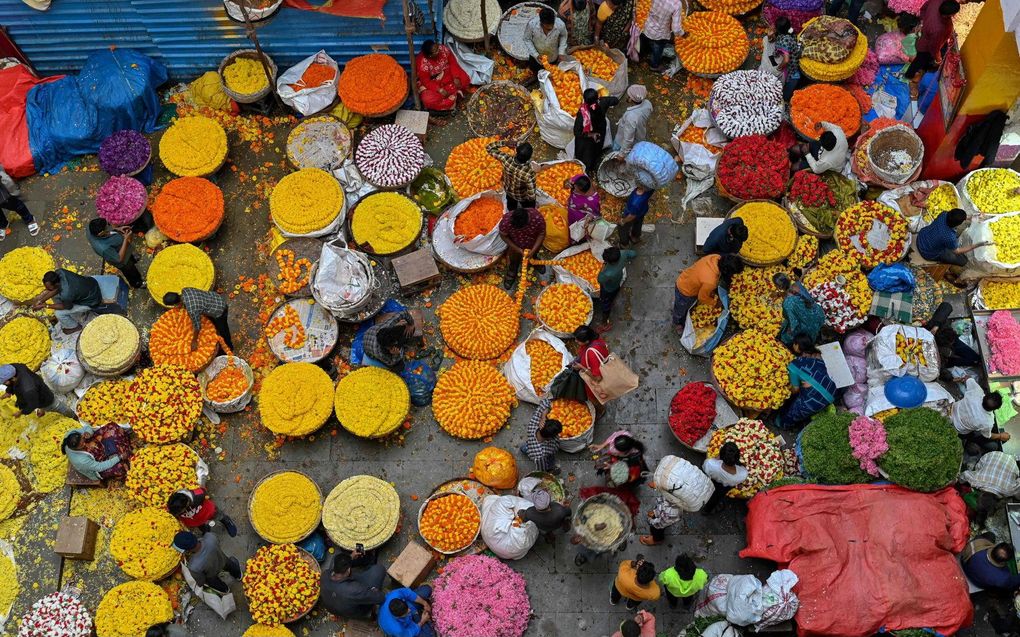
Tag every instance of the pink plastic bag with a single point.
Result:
(889, 48)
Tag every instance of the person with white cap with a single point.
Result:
(547, 515)
(206, 560)
(28, 388)
(633, 125)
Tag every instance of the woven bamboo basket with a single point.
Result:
(615, 503)
(487, 126)
(251, 98)
(889, 140)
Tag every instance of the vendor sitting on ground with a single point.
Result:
(522, 229)
(98, 454)
(974, 418)
(829, 152)
(700, 282)
(938, 241)
(545, 34)
(986, 563)
(28, 388)
(75, 295)
(727, 238)
(801, 312)
(813, 389)
(407, 613)
(353, 586)
(995, 473)
(440, 79)
(386, 341)
(953, 352)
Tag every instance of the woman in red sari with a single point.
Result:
(440, 78)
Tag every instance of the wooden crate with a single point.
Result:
(416, 121)
(76, 538)
(413, 565)
(416, 270)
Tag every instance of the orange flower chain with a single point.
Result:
(290, 276)
(472, 169)
(450, 523)
(567, 86)
(564, 307)
(171, 337)
(523, 280)
(227, 385)
(290, 323)
(480, 218)
(551, 179)
(573, 415)
(472, 400)
(597, 63)
(546, 362)
(188, 209)
(713, 43)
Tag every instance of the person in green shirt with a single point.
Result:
(113, 244)
(614, 260)
(682, 581)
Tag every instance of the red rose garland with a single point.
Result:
(753, 167)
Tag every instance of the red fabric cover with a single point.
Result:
(346, 8)
(15, 152)
(868, 556)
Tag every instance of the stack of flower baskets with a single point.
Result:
(361, 510)
(563, 307)
(479, 322)
(753, 167)
(281, 582)
(308, 202)
(750, 370)
(285, 506)
(873, 233)
(714, 43)
(157, 471)
(835, 71)
(109, 345)
(371, 402)
(760, 452)
(141, 543)
(772, 236)
(449, 522)
(171, 337)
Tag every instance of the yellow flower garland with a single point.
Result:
(295, 399)
(751, 370)
(21, 273)
(371, 402)
(824, 72)
(472, 400)
(141, 543)
(10, 492)
(306, 201)
(24, 340)
(177, 267)
(771, 233)
(48, 463)
(755, 301)
(286, 507)
(128, 610)
(279, 584)
(479, 321)
(263, 630)
(388, 222)
(361, 510)
(193, 147)
(108, 342)
(157, 471)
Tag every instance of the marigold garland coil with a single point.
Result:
(163, 403)
(157, 471)
(472, 400)
(21, 273)
(575, 417)
(305, 201)
(108, 342)
(751, 370)
(479, 321)
(245, 76)
(372, 84)
(288, 322)
(371, 402)
(546, 362)
(771, 233)
(141, 543)
(188, 209)
(713, 43)
(103, 403)
(388, 222)
(471, 169)
(731, 7)
(824, 72)
(24, 340)
(177, 267)
(361, 510)
(279, 584)
(755, 302)
(450, 522)
(170, 341)
(480, 217)
(819, 103)
(295, 399)
(285, 507)
(550, 179)
(128, 610)
(564, 307)
(193, 146)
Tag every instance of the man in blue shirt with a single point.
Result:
(727, 238)
(987, 565)
(938, 241)
(407, 613)
(634, 215)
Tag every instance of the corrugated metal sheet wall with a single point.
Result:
(192, 36)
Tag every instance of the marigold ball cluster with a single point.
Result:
(450, 522)
(546, 362)
(479, 321)
(550, 179)
(573, 415)
(171, 336)
(228, 384)
(472, 400)
(566, 85)
(564, 307)
(295, 399)
(714, 43)
(597, 63)
(584, 265)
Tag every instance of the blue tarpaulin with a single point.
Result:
(889, 80)
(115, 90)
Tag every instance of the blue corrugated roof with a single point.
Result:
(193, 36)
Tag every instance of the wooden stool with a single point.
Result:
(413, 565)
(416, 270)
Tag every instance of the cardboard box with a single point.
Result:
(703, 226)
(416, 121)
(76, 538)
(361, 628)
(413, 565)
(417, 269)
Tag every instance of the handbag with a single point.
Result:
(617, 379)
(568, 384)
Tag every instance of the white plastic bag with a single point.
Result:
(507, 541)
(478, 67)
(987, 258)
(61, 371)
(555, 125)
(518, 369)
(780, 602)
(654, 167)
(892, 198)
(965, 201)
(490, 243)
(222, 605)
(937, 398)
(342, 279)
(682, 483)
(712, 598)
(689, 338)
(884, 363)
(744, 605)
(308, 100)
(565, 276)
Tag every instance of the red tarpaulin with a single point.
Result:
(346, 8)
(868, 556)
(15, 153)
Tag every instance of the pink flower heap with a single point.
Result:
(479, 596)
(1004, 341)
(868, 442)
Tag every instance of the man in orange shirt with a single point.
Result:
(698, 283)
(635, 580)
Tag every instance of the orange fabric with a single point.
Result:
(701, 279)
(626, 583)
(346, 8)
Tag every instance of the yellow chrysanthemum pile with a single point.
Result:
(771, 233)
(141, 543)
(371, 402)
(128, 610)
(295, 399)
(177, 267)
(24, 340)
(286, 507)
(21, 273)
(755, 301)
(193, 146)
(751, 370)
(306, 201)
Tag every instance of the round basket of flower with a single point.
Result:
(760, 453)
(25, 340)
(385, 223)
(390, 156)
(752, 167)
(991, 191)
(171, 338)
(578, 420)
(163, 403)
(472, 400)
(480, 595)
(713, 43)
(373, 85)
(227, 384)
(121, 200)
(873, 233)
(603, 522)
(747, 103)
(449, 522)
(749, 368)
(361, 510)
(472, 169)
(142, 543)
(322, 142)
(131, 608)
(549, 178)
(21, 273)
(125, 153)
(815, 201)
(177, 267)
(755, 301)
(295, 399)
(109, 345)
(188, 209)
(285, 506)
(823, 62)
(371, 402)
(194, 146)
(817, 103)
(772, 236)
(308, 202)
(243, 76)
(563, 307)
(281, 582)
(479, 322)
(103, 403)
(157, 471)
(499, 108)
(692, 414)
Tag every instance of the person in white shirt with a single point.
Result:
(973, 416)
(831, 151)
(665, 19)
(726, 472)
(545, 35)
(633, 125)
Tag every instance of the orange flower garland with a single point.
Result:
(472, 400)
(714, 43)
(450, 523)
(170, 341)
(472, 169)
(550, 180)
(479, 321)
(291, 278)
(372, 84)
(546, 362)
(188, 209)
(481, 216)
(564, 307)
(290, 323)
(573, 415)
(824, 103)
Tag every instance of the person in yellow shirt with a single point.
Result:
(683, 581)
(635, 580)
(699, 283)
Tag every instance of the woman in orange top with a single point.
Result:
(635, 580)
(698, 283)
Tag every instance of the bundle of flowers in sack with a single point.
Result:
(130, 609)
(280, 584)
(941, 199)
(597, 63)
(245, 76)
(479, 321)
(566, 84)
(925, 452)
(1006, 237)
(480, 595)
(550, 180)
(361, 510)
(868, 441)
(771, 233)
(747, 103)
(193, 146)
(713, 43)
(546, 362)
(121, 200)
(373, 84)
(163, 403)
(585, 266)
(285, 507)
(1000, 295)
(177, 267)
(760, 453)
(24, 340)
(1004, 341)
(479, 218)
(317, 74)
(294, 273)
(171, 337)
(390, 156)
(564, 307)
(450, 522)
(228, 384)
(125, 152)
(755, 301)
(371, 402)
(295, 399)
(705, 317)
(803, 255)
(472, 169)
(21, 273)
(573, 415)
(103, 403)
(386, 222)
(56, 615)
(855, 229)
(306, 201)
(141, 543)
(994, 191)
(472, 400)
(818, 199)
(910, 350)
(109, 343)
(157, 471)
(750, 368)
(188, 209)
(817, 103)
(827, 451)
(753, 167)
(692, 412)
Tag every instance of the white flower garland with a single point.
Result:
(747, 103)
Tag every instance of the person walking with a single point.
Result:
(196, 510)
(634, 212)
(206, 560)
(725, 472)
(635, 581)
(633, 125)
(113, 244)
(523, 229)
(591, 128)
(580, 19)
(10, 200)
(682, 581)
(664, 22)
(518, 173)
(198, 303)
(614, 261)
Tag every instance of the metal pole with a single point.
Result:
(485, 27)
(250, 28)
(409, 29)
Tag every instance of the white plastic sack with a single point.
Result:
(938, 399)
(222, 605)
(891, 198)
(781, 603)
(692, 153)
(490, 243)
(986, 258)
(653, 166)
(682, 483)
(61, 371)
(712, 598)
(744, 605)
(308, 100)
(343, 279)
(596, 246)
(689, 338)
(478, 67)
(965, 201)
(507, 541)
(884, 363)
(555, 125)
(616, 177)
(353, 183)
(518, 369)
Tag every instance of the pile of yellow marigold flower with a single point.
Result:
(306, 201)
(751, 370)
(280, 584)
(771, 233)
(171, 336)
(472, 169)
(21, 273)
(941, 199)
(128, 610)
(450, 522)
(550, 180)
(193, 146)
(596, 63)
(163, 403)
(755, 301)
(387, 222)
(575, 416)
(245, 76)
(371, 402)
(993, 191)
(263, 630)
(361, 510)
(472, 400)
(805, 253)
(563, 307)
(177, 267)
(546, 362)
(24, 340)
(141, 543)
(46, 459)
(1006, 235)
(157, 471)
(1000, 295)
(10, 492)
(103, 403)
(731, 7)
(295, 399)
(479, 321)
(108, 342)
(705, 316)
(285, 507)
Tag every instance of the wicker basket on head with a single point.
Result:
(241, 98)
(898, 138)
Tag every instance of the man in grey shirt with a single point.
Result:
(349, 593)
(545, 35)
(206, 560)
(633, 125)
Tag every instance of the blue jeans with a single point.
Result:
(657, 47)
(681, 306)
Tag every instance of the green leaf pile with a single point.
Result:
(828, 457)
(924, 450)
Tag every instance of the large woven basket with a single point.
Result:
(444, 494)
(253, 97)
(616, 504)
(483, 125)
(898, 138)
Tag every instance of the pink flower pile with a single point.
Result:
(913, 7)
(868, 442)
(479, 596)
(121, 200)
(867, 71)
(1004, 341)
(56, 615)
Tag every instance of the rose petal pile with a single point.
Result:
(390, 156)
(108, 343)
(450, 522)
(386, 222)
(56, 615)
(755, 301)
(546, 362)
(21, 273)
(177, 267)
(771, 233)
(480, 217)
(564, 307)
(279, 584)
(285, 507)
(994, 191)
(306, 201)
(692, 412)
(124, 152)
(157, 471)
(141, 543)
(747, 103)
(479, 321)
(480, 595)
(295, 399)
(472, 400)
(472, 169)
(121, 200)
(188, 209)
(128, 610)
(1004, 342)
(812, 105)
(573, 415)
(372, 84)
(371, 402)
(751, 370)
(24, 340)
(856, 224)
(753, 167)
(361, 510)
(760, 453)
(550, 179)
(713, 43)
(193, 146)
(171, 336)
(103, 403)
(163, 403)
